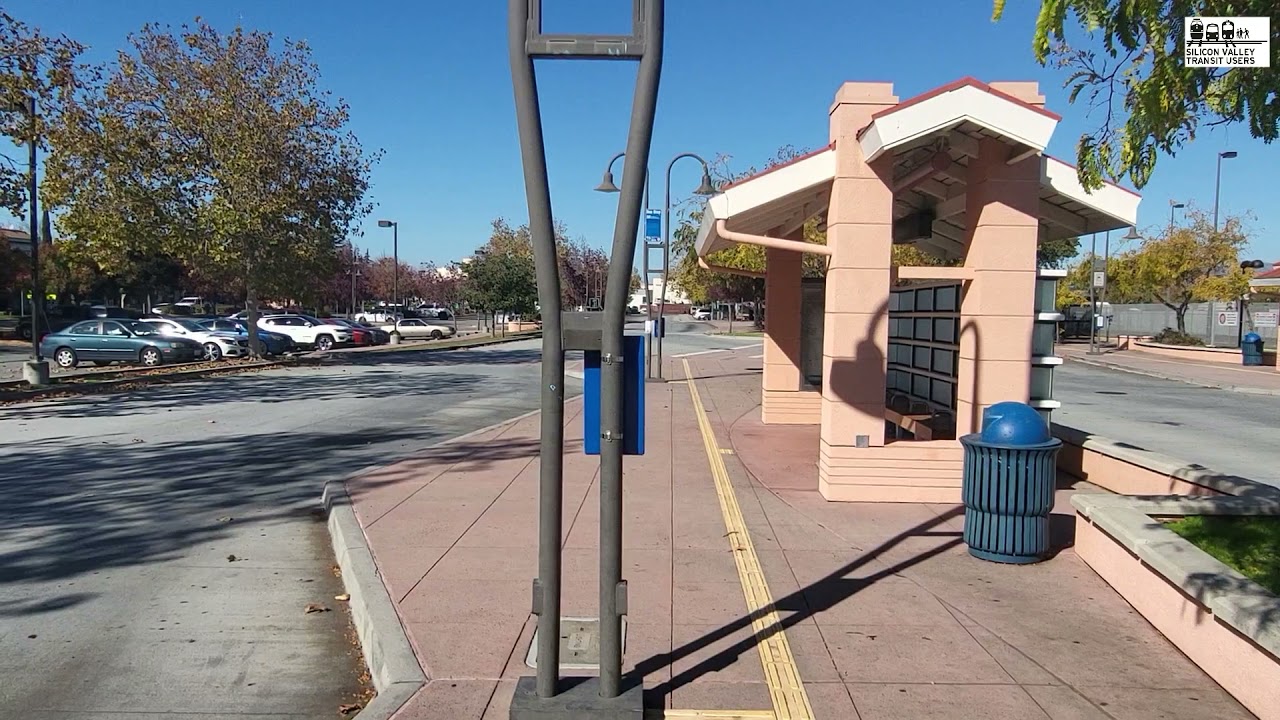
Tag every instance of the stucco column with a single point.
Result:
(782, 297)
(998, 307)
(860, 235)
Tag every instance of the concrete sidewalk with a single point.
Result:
(748, 592)
(1252, 380)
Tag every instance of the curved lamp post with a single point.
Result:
(706, 187)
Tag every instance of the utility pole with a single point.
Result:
(602, 697)
(36, 371)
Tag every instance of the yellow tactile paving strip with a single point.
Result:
(709, 715)
(790, 701)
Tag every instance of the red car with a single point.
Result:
(362, 335)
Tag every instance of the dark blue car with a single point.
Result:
(273, 343)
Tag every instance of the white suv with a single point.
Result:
(306, 330)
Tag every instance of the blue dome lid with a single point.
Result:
(1252, 337)
(1014, 423)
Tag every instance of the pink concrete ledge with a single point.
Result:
(1226, 356)
(1222, 621)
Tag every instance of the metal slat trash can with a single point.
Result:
(1251, 349)
(1010, 474)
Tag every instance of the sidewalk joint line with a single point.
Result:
(786, 690)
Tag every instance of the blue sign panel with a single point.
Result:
(632, 398)
(652, 224)
(659, 327)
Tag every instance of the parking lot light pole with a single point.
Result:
(705, 188)
(1217, 183)
(395, 258)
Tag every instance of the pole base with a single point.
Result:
(579, 699)
(395, 338)
(36, 373)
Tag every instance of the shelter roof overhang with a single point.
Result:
(932, 138)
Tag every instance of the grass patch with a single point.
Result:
(1250, 544)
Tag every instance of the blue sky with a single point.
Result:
(429, 83)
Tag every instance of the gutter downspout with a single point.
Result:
(723, 230)
(728, 270)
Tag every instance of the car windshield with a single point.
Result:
(313, 321)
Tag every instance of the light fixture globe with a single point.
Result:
(706, 187)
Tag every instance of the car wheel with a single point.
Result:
(212, 353)
(25, 332)
(65, 357)
(324, 342)
(150, 357)
(436, 334)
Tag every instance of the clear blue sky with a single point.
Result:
(429, 83)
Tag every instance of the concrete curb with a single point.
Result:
(396, 674)
(1245, 389)
(427, 347)
(21, 392)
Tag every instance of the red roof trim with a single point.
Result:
(956, 85)
(779, 166)
(1104, 182)
(1272, 274)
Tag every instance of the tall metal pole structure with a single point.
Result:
(1173, 205)
(1217, 184)
(526, 41)
(705, 188)
(395, 258)
(1093, 303)
(1106, 280)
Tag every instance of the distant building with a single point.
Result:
(19, 240)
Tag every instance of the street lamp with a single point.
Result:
(36, 371)
(395, 258)
(1217, 183)
(608, 186)
(706, 187)
(1245, 266)
(1174, 205)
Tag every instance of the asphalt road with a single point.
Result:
(122, 513)
(1227, 431)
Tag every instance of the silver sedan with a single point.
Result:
(416, 329)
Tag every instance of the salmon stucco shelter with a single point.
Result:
(893, 364)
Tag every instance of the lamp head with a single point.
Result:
(1132, 234)
(1252, 265)
(1228, 154)
(1176, 204)
(606, 185)
(706, 187)
(385, 223)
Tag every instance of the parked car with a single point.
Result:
(307, 330)
(217, 345)
(700, 314)
(106, 341)
(273, 343)
(414, 328)
(361, 334)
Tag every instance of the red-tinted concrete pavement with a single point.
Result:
(877, 608)
(1258, 380)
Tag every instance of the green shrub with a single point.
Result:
(1170, 336)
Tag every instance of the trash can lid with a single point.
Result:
(1014, 423)
(1252, 337)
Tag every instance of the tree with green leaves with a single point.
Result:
(1192, 263)
(219, 149)
(1129, 65)
(501, 282)
(33, 66)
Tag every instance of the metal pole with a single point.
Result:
(1217, 190)
(648, 289)
(37, 287)
(612, 589)
(551, 446)
(666, 242)
(1093, 304)
(395, 258)
(1106, 281)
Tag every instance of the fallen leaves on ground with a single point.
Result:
(348, 709)
(314, 608)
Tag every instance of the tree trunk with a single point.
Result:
(251, 304)
(1180, 313)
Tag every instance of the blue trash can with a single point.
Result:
(1010, 474)
(1251, 349)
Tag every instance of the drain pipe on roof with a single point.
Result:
(723, 231)
(728, 270)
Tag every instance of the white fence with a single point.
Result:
(1204, 320)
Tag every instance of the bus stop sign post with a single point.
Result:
(544, 696)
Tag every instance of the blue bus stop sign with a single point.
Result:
(652, 224)
(632, 398)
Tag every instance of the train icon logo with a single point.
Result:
(1230, 42)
